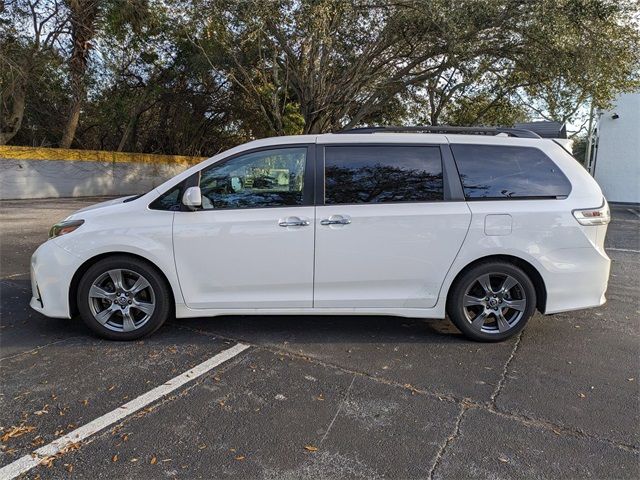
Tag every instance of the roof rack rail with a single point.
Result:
(512, 132)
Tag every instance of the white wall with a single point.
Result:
(24, 178)
(617, 163)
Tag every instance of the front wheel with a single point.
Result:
(123, 298)
(492, 301)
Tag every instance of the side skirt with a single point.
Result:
(183, 311)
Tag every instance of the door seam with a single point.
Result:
(313, 279)
(175, 262)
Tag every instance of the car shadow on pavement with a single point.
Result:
(23, 328)
(325, 329)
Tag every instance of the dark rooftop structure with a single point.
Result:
(513, 132)
(545, 129)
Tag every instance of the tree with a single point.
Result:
(83, 26)
(27, 46)
(86, 17)
(342, 62)
(198, 76)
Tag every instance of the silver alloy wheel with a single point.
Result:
(121, 300)
(494, 303)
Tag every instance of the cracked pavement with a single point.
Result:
(377, 396)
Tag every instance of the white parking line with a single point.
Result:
(622, 250)
(27, 462)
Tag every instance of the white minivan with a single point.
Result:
(485, 225)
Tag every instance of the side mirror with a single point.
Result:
(192, 198)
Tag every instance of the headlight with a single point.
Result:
(64, 227)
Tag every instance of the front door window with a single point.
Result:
(271, 178)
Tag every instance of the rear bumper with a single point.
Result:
(52, 269)
(575, 278)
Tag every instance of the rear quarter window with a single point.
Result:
(493, 172)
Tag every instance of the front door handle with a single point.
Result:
(293, 222)
(335, 220)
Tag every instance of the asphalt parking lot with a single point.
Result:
(323, 397)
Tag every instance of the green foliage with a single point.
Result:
(198, 76)
(482, 109)
(580, 149)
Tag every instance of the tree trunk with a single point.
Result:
(72, 123)
(10, 127)
(83, 18)
(131, 129)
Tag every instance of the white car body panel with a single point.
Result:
(393, 259)
(243, 258)
(118, 228)
(574, 271)
(355, 266)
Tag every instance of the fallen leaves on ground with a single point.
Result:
(37, 441)
(42, 412)
(240, 457)
(310, 448)
(154, 460)
(114, 458)
(15, 432)
(48, 461)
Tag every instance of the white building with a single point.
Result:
(616, 161)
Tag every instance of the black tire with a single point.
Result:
(154, 291)
(466, 312)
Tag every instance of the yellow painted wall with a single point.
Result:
(41, 153)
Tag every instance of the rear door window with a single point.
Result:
(382, 174)
(493, 172)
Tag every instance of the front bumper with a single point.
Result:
(52, 269)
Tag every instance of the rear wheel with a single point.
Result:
(123, 298)
(492, 301)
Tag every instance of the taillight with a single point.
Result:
(593, 216)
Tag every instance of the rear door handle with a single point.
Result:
(293, 222)
(336, 220)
